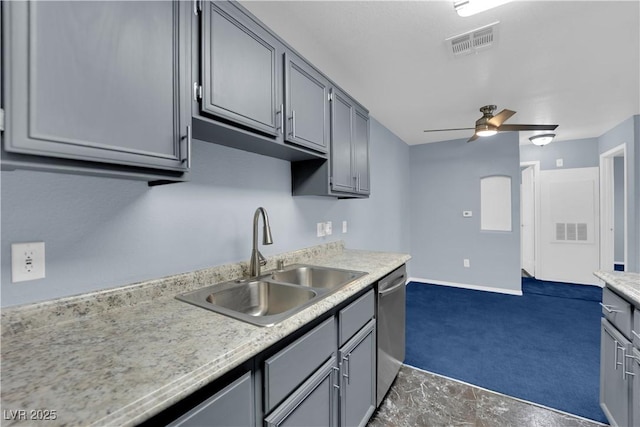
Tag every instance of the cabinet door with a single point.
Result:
(615, 386)
(307, 104)
(241, 69)
(98, 81)
(634, 365)
(233, 406)
(313, 404)
(361, 151)
(358, 373)
(342, 178)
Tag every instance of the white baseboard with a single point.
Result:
(467, 286)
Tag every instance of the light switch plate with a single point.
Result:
(344, 226)
(559, 163)
(320, 229)
(328, 228)
(27, 261)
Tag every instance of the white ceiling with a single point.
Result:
(572, 63)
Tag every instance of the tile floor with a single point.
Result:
(418, 398)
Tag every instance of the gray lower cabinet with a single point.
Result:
(306, 121)
(615, 383)
(635, 389)
(241, 69)
(313, 404)
(233, 406)
(357, 371)
(104, 82)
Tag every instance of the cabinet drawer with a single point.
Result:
(285, 371)
(617, 311)
(231, 406)
(355, 316)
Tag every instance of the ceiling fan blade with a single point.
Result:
(473, 138)
(501, 117)
(507, 128)
(444, 130)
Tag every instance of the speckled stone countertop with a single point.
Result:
(626, 284)
(120, 356)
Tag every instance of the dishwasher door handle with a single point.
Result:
(396, 284)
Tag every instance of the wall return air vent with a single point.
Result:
(474, 40)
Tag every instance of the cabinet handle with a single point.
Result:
(293, 123)
(345, 359)
(189, 137)
(625, 356)
(609, 308)
(615, 354)
(280, 113)
(636, 359)
(336, 370)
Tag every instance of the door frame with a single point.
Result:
(536, 213)
(607, 206)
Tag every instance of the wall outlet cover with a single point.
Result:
(344, 226)
(467, 214)
(559, 163)
(328, 228)
(466, 263)
(320, 229)
(27, 261)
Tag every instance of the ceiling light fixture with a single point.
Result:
(486, 130)
(471, 7)
(541, 140)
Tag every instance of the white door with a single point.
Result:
(569, 233)
(527, 221)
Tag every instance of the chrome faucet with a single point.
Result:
(257, 259)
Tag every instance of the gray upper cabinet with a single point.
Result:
(361, 150)
(307, 104)
(342, 112)
(98, 81)
(346, 173)
(241, 69)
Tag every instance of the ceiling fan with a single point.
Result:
(490, 124)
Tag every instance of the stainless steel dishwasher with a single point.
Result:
(390, 312)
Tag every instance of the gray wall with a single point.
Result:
(577, 153)
(445, 180)
(628, 132)
(101, 233)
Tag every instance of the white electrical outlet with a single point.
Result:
(320, 229)
(27, 261)
(328, 228)
(344, 226)
(559, 163)
(466, 263)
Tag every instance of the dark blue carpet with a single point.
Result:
(538, 347)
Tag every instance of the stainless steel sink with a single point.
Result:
(258, 302)
(316, 277)
(272, 297)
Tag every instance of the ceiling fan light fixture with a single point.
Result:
(543, 139)
(486, 130)
(466, 8)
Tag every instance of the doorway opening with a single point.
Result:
(529, 216)
(613, 209)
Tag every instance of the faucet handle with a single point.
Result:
(280, 264)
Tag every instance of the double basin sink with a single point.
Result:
(274, 296)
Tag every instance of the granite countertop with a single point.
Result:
(626, 284)
(120, 356)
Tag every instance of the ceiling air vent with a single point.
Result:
(474, 40)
